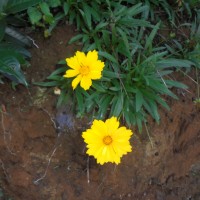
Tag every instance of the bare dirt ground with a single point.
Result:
(38, 163)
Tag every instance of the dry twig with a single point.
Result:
(36, 182)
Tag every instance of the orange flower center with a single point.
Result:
(84, 70)
(107, 140)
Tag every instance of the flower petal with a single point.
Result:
(92, 56)
(112, 125)
(76, 81)
(122, 134)
(97, 65)
(81, 57)
(95, 75)
(71, 73)
(86, 82)
(100, 127)
(73, 63)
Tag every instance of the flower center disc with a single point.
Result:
(84, 70)
(107, 140)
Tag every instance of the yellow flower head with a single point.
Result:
(85, 67)
(106, 141)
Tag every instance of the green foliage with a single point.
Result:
(12, 57)
(83, 13)
(43, 15)
(9, 10)
(139, 63)
(12, 52)
(175, 11)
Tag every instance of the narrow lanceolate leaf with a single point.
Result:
(150, 39)
(100, 26)
(87, 15)
(117, 105)
(75, 38)
(171, 62)
(108, 56)
(162, 102)
(66, 7)
(47, 84)
(151, 107)
(56, 72)
(138, 8)
(79, 98)
(104, 103)
(98, 87)
(171, 83)
(138, 100)
(15, 6)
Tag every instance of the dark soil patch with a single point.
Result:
(36, 162)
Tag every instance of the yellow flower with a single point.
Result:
(106, 141)
(85, 67)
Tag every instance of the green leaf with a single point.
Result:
(97, 43)
(139, 121)
(50, 20)
(54, 3)
(109, 74)
(151, 107)
(134, 10)
(45, 9)
(66, 7)
(79, 98)
(87, 15)
(100, 26)
(154, 58)
(175, 84)
(98, 87)
(149, 40)
(10, 67)
(63, 98)
(47, 84)
(15, 6)
(108, 56)
(56, 72)
(106, 37)
(162, 102)
(117, 105)
(95, 11)
(75, 38)
(172, 62)
(34, 15)
(126, 42)
(15, 49)
(115, 89)
(138, 100)
(103, 105)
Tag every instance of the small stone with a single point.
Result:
(129, 195)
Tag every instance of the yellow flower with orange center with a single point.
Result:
(85, 68)
(106, 141)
